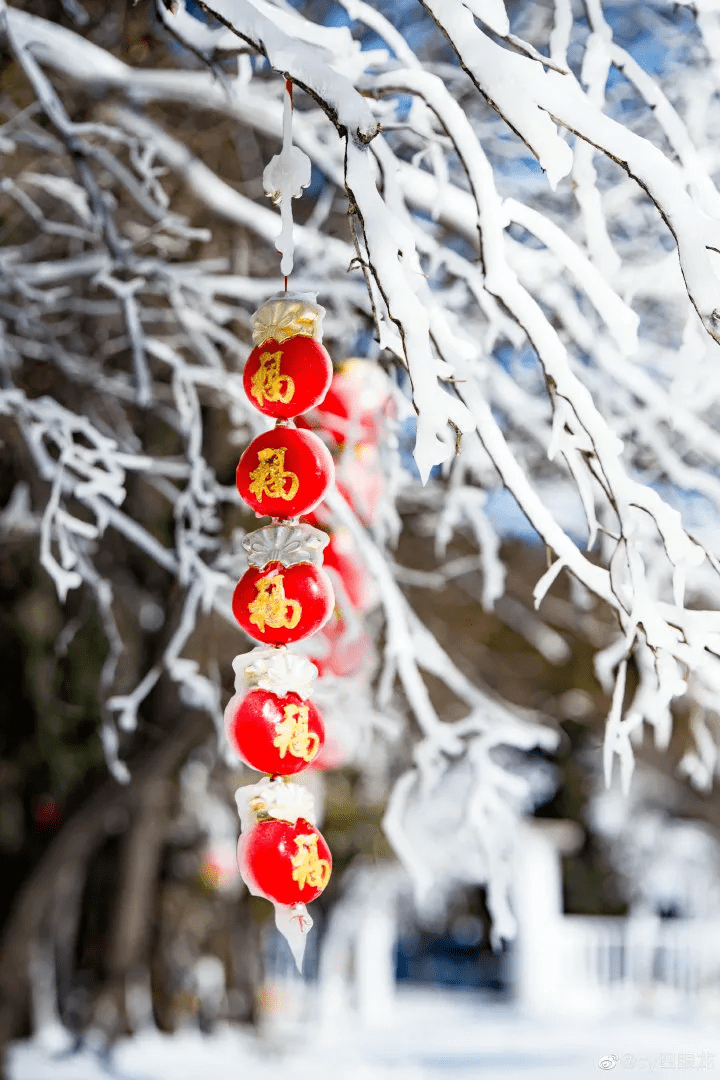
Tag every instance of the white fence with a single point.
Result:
(649, 963)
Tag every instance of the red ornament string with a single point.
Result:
(283, 597)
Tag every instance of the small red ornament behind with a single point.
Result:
(289, 864)
(284, 379)
(278, 604)
(285, 472)
(342, 649)
(358, 404)
(276, 735)
(342, 557)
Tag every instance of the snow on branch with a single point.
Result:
(528, 97)
(263, 27)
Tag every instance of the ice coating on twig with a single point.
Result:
(492, 13)
(271, 30)
(284, 178)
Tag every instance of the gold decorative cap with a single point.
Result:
(286, 316)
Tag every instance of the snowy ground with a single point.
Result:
(430, 1035)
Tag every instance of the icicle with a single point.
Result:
(546, 581)
(284, 178)
(294, 923)
(616, 738)
(678, 580)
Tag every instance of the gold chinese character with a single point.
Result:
(308, 867)
(292, 735)
(268, 384)
(269, 478)
(271, 607)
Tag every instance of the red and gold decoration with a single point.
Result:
(288, 863)
(285, 472)
(353, 419)
(357, 405)
(276, 735)
(358, 587)
(282, 855)
(278, 605)
(288, 371)
(284, 596)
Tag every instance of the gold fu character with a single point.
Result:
(271, 607)
(292, 735)
(268, 383)
(308, 867)
(269, 477)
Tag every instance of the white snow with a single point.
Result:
(429, 1035)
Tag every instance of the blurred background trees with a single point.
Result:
(499, 197)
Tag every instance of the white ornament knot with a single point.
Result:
(276, 670)
(277, 799)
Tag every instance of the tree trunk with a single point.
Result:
(67, 859)
(127, 958)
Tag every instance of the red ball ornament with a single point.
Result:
(342, 557)
(278, 604)
(357, 406)
(360, 481)
(277, 735)
(284, 379)
(342, 650)
(289, 864)
(285, 472)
